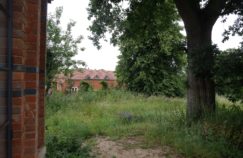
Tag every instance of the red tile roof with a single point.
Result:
(93, 75)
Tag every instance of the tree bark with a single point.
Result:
(198, 24)
(201, 91)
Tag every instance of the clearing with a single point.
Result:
(120, 124)
(131, 147)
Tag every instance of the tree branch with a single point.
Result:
(185, 9)
(189, 11)
(213, 10)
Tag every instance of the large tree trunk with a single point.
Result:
(201, 91)
(199, 22)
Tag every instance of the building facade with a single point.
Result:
(22, 73)
(92, 77)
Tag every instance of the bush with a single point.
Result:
(104, 85)
(65, 135)
(55, 102)
(229, 74)
(85, 86)
(65, 148)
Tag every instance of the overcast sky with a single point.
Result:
(106, 57)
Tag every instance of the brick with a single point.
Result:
(31, 99)
(18, 52)
(30, 61)
(17, 126)
(29, 151)
(31, 45)
(17, 101)
(18, 43)
(30, 142)
(17, 142)
(31, 38)
(31, 77)
(31, 84)
(18, 85)
(18, 34)
(16, 155)
(17, 134)
(30, 123)
(16, 118)
(28, 42)
(30, 135)
(18, 76)
(17, 149)
(18, 60)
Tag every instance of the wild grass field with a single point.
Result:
(72, 120)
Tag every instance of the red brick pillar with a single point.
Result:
(32, 45)
(19, 22)
(28, 77)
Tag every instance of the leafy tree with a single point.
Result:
(198, 16)
(61, 47)
(151, 59)
(229, 74)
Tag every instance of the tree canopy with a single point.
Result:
(152, 59)
(229, 74)
(61, 47)
(198, 16)
(109, 15)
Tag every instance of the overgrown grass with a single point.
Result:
(71, 119)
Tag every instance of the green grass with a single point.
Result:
(72, 119)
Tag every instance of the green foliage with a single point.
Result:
(198, 16)
(55, 103)
(150, 70)
(64, 138)
(66, 147)
(204, 61)
(159, 120)
(151, 60)
(85, 86)
(234, 7)
(229, 74)
(61, 47)
(111, 15)
(104, 85)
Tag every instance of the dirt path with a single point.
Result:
(129, 148)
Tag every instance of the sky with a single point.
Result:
(106, 57)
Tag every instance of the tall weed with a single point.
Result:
(72, 119)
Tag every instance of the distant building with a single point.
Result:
(92, 77)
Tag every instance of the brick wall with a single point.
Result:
(28, 77)
(95, 84)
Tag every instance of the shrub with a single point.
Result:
(104, 85)
(229, 74)
(65, 148)
(85, 86)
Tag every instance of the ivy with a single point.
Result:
(202, 61)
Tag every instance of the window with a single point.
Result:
(74, 89)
